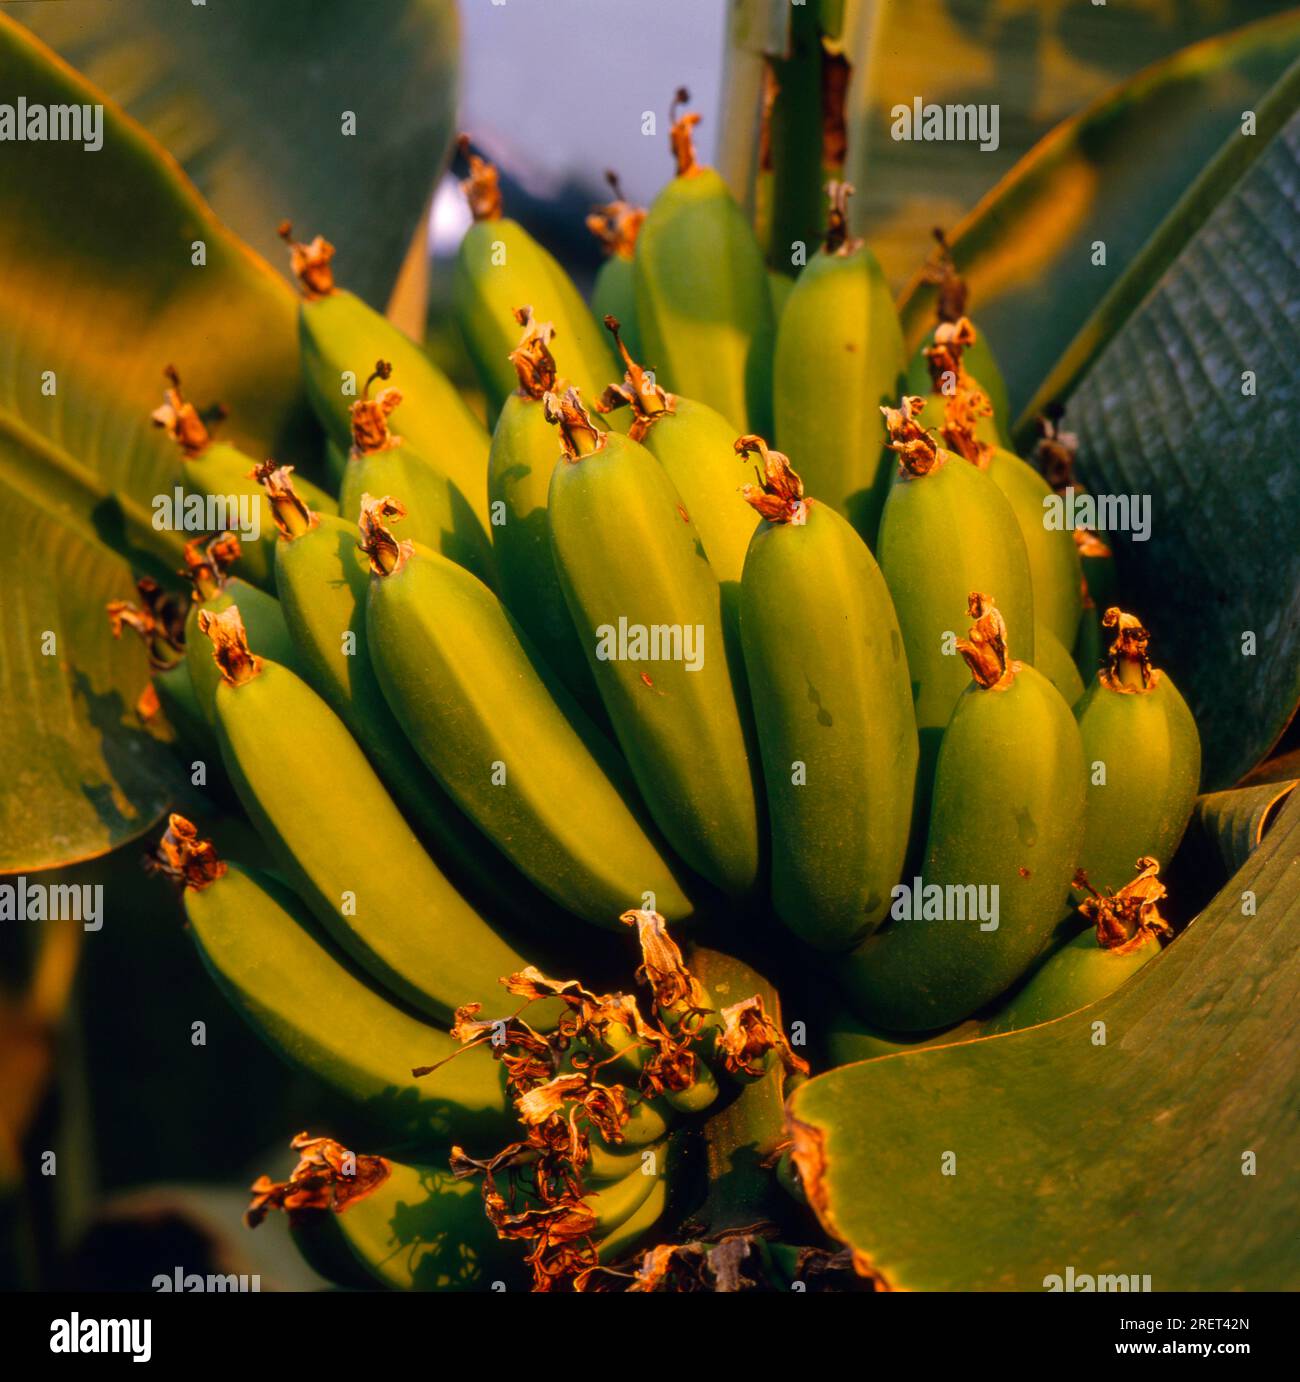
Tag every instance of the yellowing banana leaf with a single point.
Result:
(1169, 1152)
(252, 97)
(1195, 404)
(1109, 174)
(111, 267)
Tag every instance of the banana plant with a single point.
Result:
(510, 888)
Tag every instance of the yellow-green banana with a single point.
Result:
(833, 703)
(649, 609)
(341, 337)
(839, 358)
(703, 304)
(341, 841)
(501, 734)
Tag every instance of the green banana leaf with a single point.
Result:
(1130, 1158)
(1162, 412)
(250, 95)
(1111, 173)
(98, 291)
(1236, 820)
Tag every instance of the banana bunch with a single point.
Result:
(620, 661)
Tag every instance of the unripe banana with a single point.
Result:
(524, 452)
(382, 463)
(499, 266)
(703, 304)
(324, 577)
(694, 445)
(341, 841)
(501, 734)
(1008, 815)
(341, 338)
(839, 357)
(848, 1038)
(630, 1233)
(1056, 664)
(634, 574)
(1143, 755)
(1127, 930)
(616, 225)
(214, 591)
(217, 470)
(833, 703)
(267, 956)
(946, 530)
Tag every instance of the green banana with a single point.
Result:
(214, 470)
(1143, 755)
(833, 702)
(499, 266)
(341, 841)
(694, 445)
(616, 225)
(638, 583)
(946, 530)
(703, 304)
(524, 452)
(1008, 814)
(340, 336)
(780, 286)
(382, 463)
(1056, 664)
(839, 357)
(849, 1039)
(214, 591)
(501, 734)
(630, 1233)
(267, 956)
(1126, 933)
(324, 577)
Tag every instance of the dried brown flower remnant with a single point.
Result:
(680, 137)
(180, 419)
(838, 240)
(185, 858)
(639, 389)
(159, 621)
(482, 188)
(944, 355)
(377, 542)
(918, 452)
(617, 224)
(230, 644)
(579, 436)
(942, 271)
(962, 413)
(292, 515)
(1128, 668)
(778, 496)
(328, 1176)
(534, 364)
(1126, 918)
(662, 967)
(749, 1038)
(370, 415)
(311, 263)
(985, 648)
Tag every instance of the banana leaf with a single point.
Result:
(250, 97)
(1194, 402)
(1169, 1152)
(1110, 173)
(99, 289)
